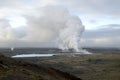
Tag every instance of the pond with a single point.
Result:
(32, 55)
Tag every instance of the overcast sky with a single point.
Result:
(19, 22)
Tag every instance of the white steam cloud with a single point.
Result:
(55, 22)
(70, 35)
(49, 24)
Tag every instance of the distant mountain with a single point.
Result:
(11, 69)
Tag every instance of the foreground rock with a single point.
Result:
(11, 69)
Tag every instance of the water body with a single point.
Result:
(82, 52)
(32, 55)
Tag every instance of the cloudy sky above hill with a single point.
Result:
(101, 19)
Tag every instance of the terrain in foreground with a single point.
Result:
(103, 64)
(11, 69)
(98, 66)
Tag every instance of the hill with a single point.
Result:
(11, 69)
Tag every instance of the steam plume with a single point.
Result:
(70, 36)
(56, 22)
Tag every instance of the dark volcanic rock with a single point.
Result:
(11, 69)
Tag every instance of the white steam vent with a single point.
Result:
(70, 36)
(12, 48)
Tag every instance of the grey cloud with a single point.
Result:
(12, 3)
(107, 36)
(14, 43)
(93, 7)
(90, 7)
(9, 33)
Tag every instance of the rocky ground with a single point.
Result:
(98, 66)
(11, 69)
(103, 64)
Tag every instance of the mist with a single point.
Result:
(55, 22)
